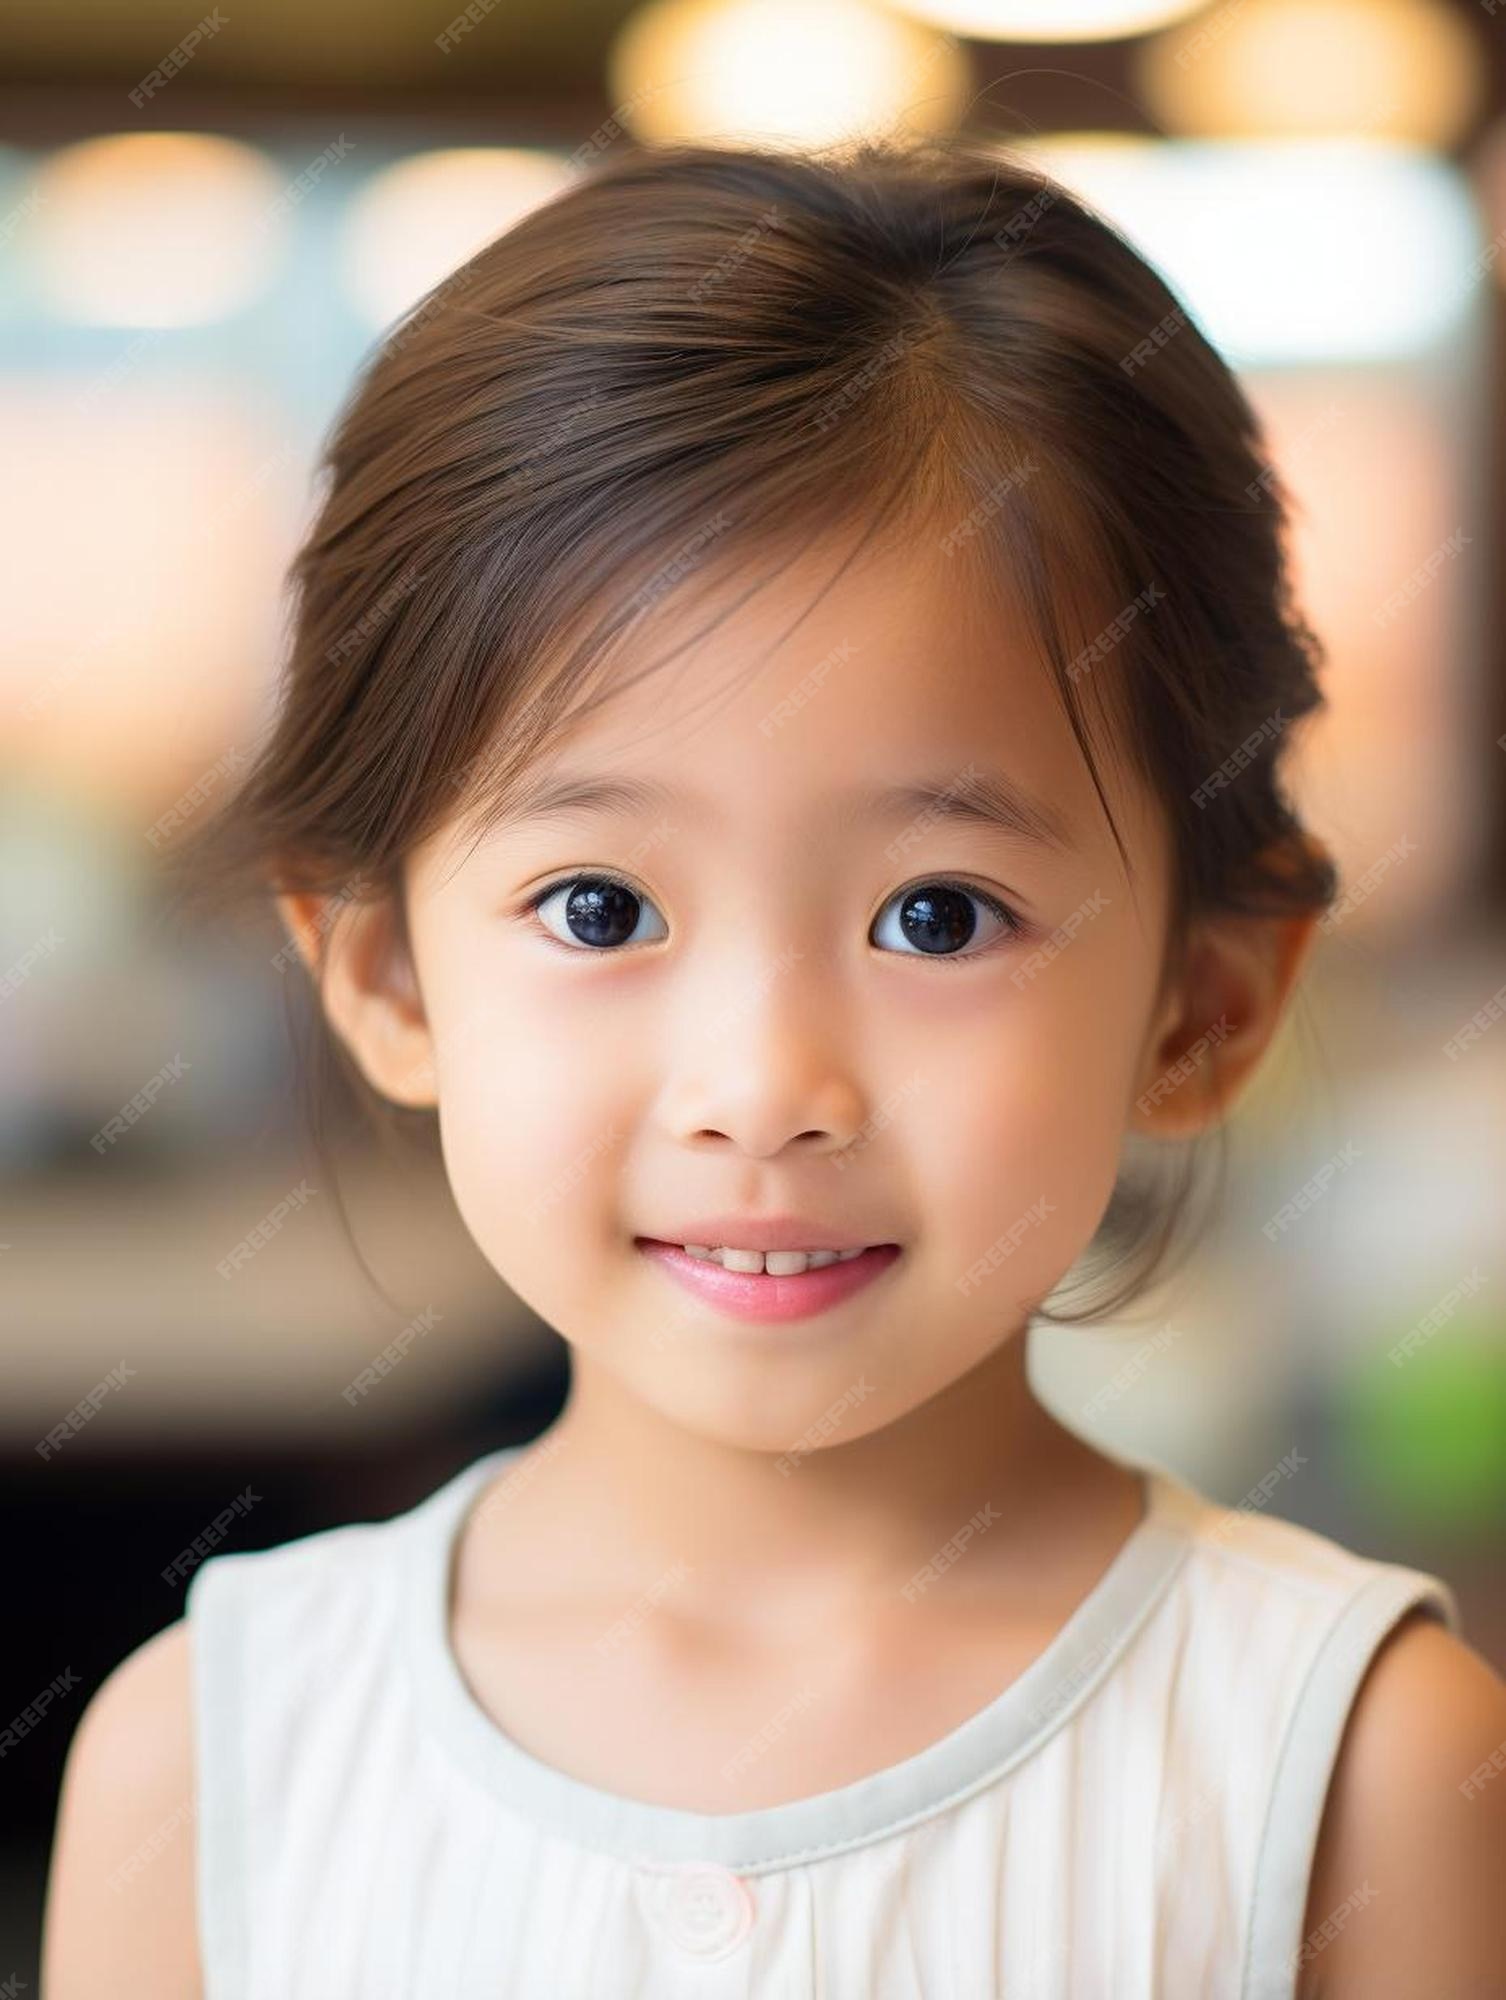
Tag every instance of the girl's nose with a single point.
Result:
(778, 1075)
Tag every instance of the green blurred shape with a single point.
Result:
(1425, 1438)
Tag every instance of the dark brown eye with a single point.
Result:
(937, 919)
(598, 911)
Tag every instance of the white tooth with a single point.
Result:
(743, 1260)
(784, 1263)
(776, 1263)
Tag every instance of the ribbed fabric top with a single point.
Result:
(1134, 1816)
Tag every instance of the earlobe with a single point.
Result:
(1213, 1031)
(369, 990)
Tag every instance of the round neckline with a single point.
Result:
(950, 1768)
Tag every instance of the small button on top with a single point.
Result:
(707, 1910)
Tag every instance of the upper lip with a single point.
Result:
(766, 1232)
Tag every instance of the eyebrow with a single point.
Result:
(970, 797)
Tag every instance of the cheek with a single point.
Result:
(536, 1178)
(531, 1132)
(1018, 1143)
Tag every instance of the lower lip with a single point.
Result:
(756, 1295)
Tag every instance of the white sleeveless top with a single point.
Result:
(1133, 1818)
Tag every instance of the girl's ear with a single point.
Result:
(1218, 1022)
(369, 989)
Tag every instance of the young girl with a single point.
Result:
(780, 756)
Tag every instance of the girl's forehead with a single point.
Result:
(826, 698)
(905, 641)
(821, 670)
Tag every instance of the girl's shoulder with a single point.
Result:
(1416, 1806)
(127, 1882)
(1251, 1546)
(122, 1885)
(121, 1882)
(1390, 1735)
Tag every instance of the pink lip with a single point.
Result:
(758, 1296)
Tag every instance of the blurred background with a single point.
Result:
(206, 219)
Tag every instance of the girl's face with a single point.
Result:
(773, 1036)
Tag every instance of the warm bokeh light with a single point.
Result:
(803, 72)
(155, 228)
(414, 222)
(145, 545)
(1392, 69)
(1342, 440)
(1290, 250)
(1051, 20)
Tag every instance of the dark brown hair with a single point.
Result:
(700, 356)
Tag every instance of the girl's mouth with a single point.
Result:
(760, 1295)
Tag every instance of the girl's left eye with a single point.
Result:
(602, 913)
(934, 917)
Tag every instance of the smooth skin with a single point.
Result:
(769, 1040)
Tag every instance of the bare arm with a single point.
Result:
(1408, 1890)
(121, 1910)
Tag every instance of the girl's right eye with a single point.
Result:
(599, 912)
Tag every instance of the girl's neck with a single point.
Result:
(623, 1492)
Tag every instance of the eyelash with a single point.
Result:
(1015, 926)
